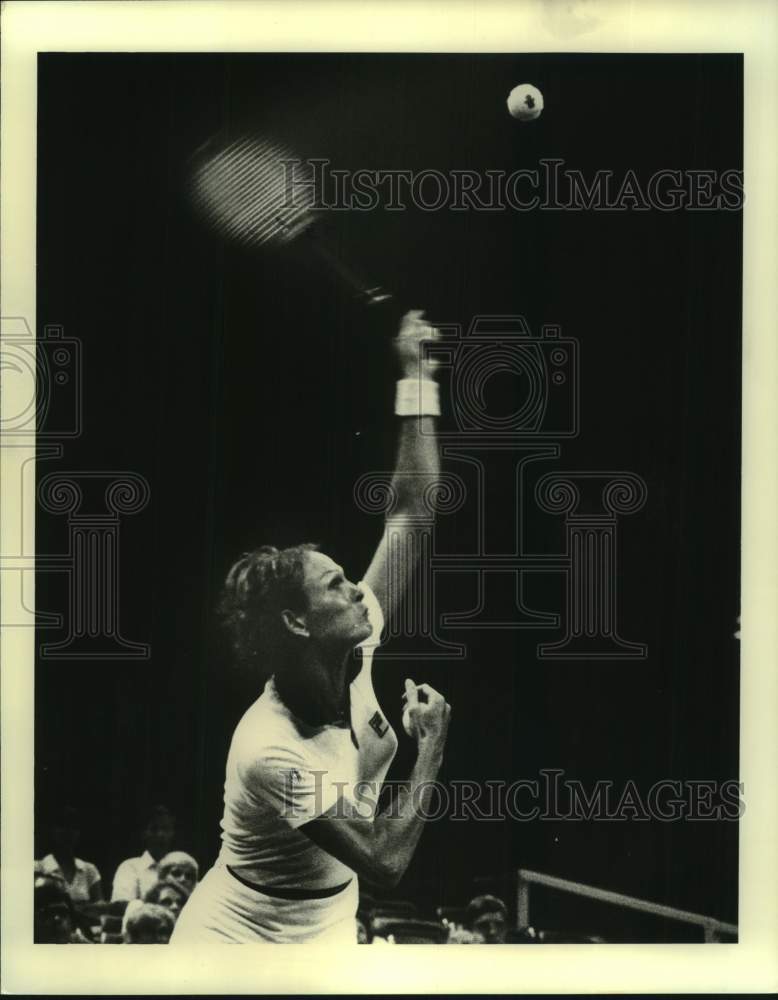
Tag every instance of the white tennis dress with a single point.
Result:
(281, 774)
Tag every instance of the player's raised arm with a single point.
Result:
(417, 464)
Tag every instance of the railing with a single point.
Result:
(713, 929)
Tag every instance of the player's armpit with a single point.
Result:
(353, 841)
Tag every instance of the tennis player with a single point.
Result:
(308, 758)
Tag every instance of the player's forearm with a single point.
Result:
(416, 404)
(397, 831)
(380, 849)
(418, 462)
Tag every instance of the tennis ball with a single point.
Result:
(525, 102)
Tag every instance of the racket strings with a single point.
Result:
(244, 191)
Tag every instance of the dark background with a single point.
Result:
(236, 384)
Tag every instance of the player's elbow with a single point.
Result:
(409, 508)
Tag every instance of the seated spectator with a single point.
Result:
(457, 934)
(54, 920)
(364, 933)
(135, 876)
(147, 923)
(168, 894)
(82, 878)
(488, 917)
(181, 868)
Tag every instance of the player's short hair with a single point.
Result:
(261, 585)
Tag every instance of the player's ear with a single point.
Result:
(295, 623)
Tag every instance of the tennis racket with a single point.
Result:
(242, 190)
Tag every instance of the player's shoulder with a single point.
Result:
(266, 737)
(265, 714)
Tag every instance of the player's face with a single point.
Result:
(336, 615)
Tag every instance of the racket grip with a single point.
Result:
(369, 294)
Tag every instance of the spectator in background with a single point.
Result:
(364, 931)
(135, 876)
(81, 878)
(487, 916)
(168, 894)
(54, 920)
(181, 868)
(460, 935)
(147, 923)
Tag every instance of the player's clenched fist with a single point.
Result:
(414, 329)
(426, 715)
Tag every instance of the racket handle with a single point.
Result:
(365, 292)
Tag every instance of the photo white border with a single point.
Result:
(749, 26)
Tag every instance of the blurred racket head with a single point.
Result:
(252, 189)
(256, 191)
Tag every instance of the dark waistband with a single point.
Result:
(281, 893)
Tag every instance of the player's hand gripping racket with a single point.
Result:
(243, 189)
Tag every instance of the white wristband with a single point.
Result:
(417, 397)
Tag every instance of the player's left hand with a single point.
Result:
(426, 713)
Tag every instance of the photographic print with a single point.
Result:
(383, 444)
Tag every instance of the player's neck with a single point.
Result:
(314, 689)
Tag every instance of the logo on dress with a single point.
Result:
(379, 724)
